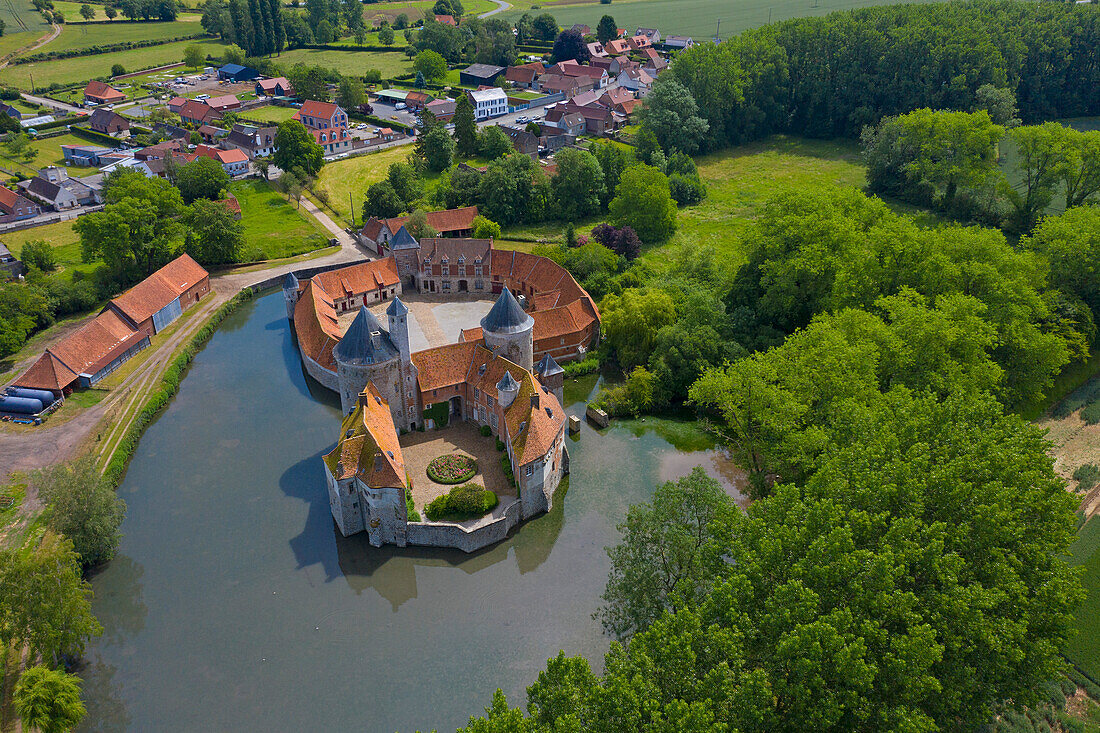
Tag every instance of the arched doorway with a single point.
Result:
(456, 407)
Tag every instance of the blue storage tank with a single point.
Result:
(20, 405)
(42, 395)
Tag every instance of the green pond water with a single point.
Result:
(235, 604)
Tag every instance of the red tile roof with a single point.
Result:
(358, 279)
(96, 343)
(313, 108)
(369, 447)
(10, 200)
(47, 373)
(316, 325)
(225, 101)
(104, 91)
(269, 84)
(140, 302)
(451, 220)
(443, 366)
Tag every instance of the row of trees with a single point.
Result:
(486, 41)
(44, 600)
(254, 25)
(831, 76)
(949, 161)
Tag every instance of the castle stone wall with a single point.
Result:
(447, 534)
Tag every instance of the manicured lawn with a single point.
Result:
(85, 36)
(72, 71)
(697, 18)
(390, 63)
(1084, 649)
(270, 113)
(273, 228)
(49, 153)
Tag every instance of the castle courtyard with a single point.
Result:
(434, 320)
(458, 437)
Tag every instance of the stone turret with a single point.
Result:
(290, 293)
(509, 331)
(366, 354)
(507, 389)
(398, 316)
(552, 377)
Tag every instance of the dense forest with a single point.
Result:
(900, 567)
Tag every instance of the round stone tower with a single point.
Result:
(290, 294)
(366, 354)
(509, 331)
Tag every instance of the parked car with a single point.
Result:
(202, 97)
(523, 119)
(400, 105)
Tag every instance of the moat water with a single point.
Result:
(234, 603)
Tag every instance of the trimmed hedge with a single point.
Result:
(506, 466)
(462, 502)
(440, 466)
(169, 385)
(97, 50)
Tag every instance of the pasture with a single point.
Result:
(390, 63)
(73, 71)
(697, 18)
(1084, 649)
(80, 36)
(415, 9)
(20, 15)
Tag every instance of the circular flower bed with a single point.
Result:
(452, 469)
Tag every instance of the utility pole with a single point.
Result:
(351, 205)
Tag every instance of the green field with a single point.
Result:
(1084, 649)
(72, 71)
(371, 39)
(415, 9)
(61, 237)
(697, 18)
(269, 113)
(20, 15)
(79, 36)
(71, 11)
(390, 63)
(273, 228)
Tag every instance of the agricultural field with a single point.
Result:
(79, 36)
(273, 228)
(73, 71)
(1084, 649)
(372, 39)
(415, 9)
(390, 63)
(71, 11)
(270, 114)
(11, 42)
(696, 18)
(20, 15)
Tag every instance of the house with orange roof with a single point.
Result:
(448, 223)
(98, 92)
(16, 207)
(321, 115)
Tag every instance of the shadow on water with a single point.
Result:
(124, 613)
(103, 699)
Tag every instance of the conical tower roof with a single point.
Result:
(506, 315)
(397, 308)
(403, 240)
(290, 282)
(547, 367)
(507, 383)
(365, 341)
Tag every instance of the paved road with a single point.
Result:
(501, 7)
(52, 104)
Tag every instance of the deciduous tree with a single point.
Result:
(48, 700)
(82, 506)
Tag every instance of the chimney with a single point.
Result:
(535, 400)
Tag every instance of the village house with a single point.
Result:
(446, 20)
(570, 123)
(109, 123)
(610, 65)
(84, 155)
(488, 102)
(651, 34)
(443, 109)
(524, 142)
(98, 92)
(10, 111)
(557, 84)
(596, 50)
(278, 87)
(582, 29)
(197, 113)
(160, 150)
(449, 223)
(525, 76)
(223, 103)
(15, 207)
(617, 47)
(637, 43)
(418, 100)
(321, 115)
(233, 161)
(175, 104)
(254, 142)
(56, 190)
(636, 81)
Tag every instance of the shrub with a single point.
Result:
(40, 255)
(452, 469)
(486, 431)
(1086, 476)
(462, 502)
(410, 507)
(506, 466)
(500, 444)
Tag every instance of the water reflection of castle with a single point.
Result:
(488, 378)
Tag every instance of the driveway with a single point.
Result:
(500, 8)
